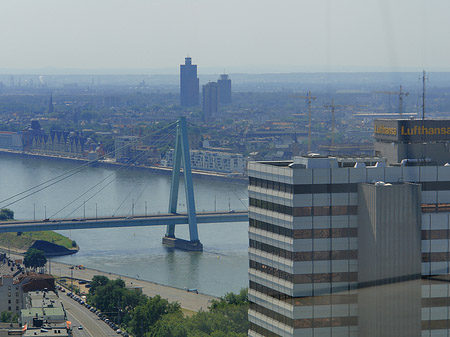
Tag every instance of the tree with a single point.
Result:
(34, 258)
(6, 214)
(8, 317)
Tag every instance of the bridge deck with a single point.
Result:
(111, 222)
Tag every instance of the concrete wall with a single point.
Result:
(389, 237)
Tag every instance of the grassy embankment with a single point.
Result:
(24, 241)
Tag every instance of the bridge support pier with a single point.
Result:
(182, 156)
(182, 244)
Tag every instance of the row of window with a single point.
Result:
(436, 257)
(305, 256)
(435, 302)
(333, 188)
(305, 278)
(440, 324)
(262, 331)
(435, 234)
(304, 233)
(271, 271)
(435, 208)
(304, 211)
(306, 323)
(304, 188)
(337, 298)
(265, 226)
(271, 185)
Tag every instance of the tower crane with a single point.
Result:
(400, 97)
(310, 99)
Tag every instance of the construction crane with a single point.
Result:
(332, 106)
(400, 97)
(310, 99)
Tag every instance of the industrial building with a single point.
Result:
(347, 246)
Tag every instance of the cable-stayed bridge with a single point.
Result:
(169, 219)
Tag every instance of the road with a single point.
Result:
(113, 222)
(79, 315)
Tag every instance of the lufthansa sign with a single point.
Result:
(403, 130)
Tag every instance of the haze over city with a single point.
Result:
(107, 36)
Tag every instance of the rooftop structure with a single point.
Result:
(399, 139)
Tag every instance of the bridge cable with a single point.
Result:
(73, 171)
(237, 197)
(128, 195)
(122, 167)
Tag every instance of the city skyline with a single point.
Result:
(293, 36)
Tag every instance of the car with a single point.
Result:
(80, 327)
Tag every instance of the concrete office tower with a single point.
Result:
(189, 84)
(210, 100)
(317, 232)
(224, 84)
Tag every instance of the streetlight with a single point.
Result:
(84, 209)
(95, 211)
(45, 212)
(146, 209)
(34, 211)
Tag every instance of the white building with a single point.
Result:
(334, 254)
(211, 161)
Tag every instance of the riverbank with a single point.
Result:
(216, 176)
(189, 301)
(51, 243)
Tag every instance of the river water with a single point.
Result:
(136, 251)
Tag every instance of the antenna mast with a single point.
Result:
(424, 78)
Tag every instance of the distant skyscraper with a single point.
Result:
(189, 84)
(224, 83)
(50, 105)
(210, 100)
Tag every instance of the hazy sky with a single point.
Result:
(231, 35)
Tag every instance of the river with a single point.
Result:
(137, 251)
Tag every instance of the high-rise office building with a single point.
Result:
(344, 246)
(224, 84)
(189, 84)
(210, 100)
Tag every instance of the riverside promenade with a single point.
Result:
(188, 300)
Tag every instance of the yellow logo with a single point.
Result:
(383, 130)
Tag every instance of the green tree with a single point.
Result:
(34, 258)
(6, 214)
(97, 281)
(8, 317)
(144, 316)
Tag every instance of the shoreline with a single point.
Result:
(188, 300)
(217, 176)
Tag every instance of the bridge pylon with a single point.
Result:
(182, 156)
